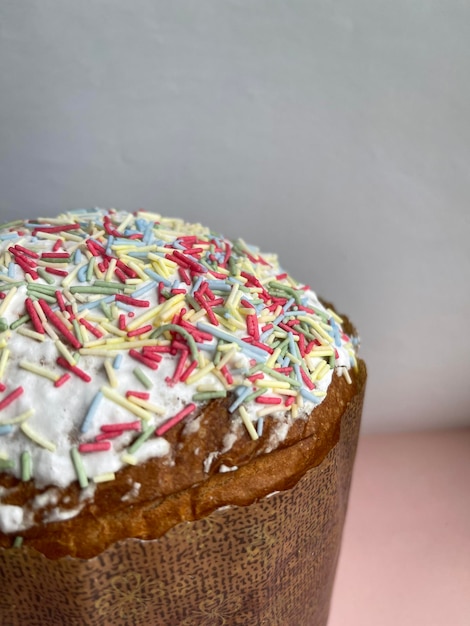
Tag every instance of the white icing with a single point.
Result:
(11, 518)
(58, 413)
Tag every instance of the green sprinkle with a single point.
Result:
(6, 464)
(8, 225)
(279, 376)
(181, 331)
(144, 379)
(41, 288)
(8, 286)
(107, 311)
(194, 304)
(19, 322)
(254, 395)
(210, 395)
(26, 466)
(45, 275)
(18, 542)
(59, 260)
(90, 268)
(109, 289)
(146, 434)
(79, 467)
(77, 330)
(104, 283)
(4, 325)
(332, 360)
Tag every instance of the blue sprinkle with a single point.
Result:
(239, 400)
(309, 396)
(81, 275)
(11, 269)
(5, 236)
(196, 285)
(124, 306)
(148, 234)
(259, 426)
(91, 412)
(157, 277)
(6, 429)
(117, 361)
(144, 289)
(77, 257)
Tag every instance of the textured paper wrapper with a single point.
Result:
(271, 563)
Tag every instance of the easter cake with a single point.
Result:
(157, 383)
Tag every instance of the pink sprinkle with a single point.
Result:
(161, 430)
(98, 446)
(10, 397)
(61, 327)
(290, 400)
(227, 375)
(120, 274)
(55, 229)
(184, 275)
(63, 379)
(179, 368)
(2, 387)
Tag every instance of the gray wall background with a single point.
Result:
(335, 133)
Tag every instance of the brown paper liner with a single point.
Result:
(271, 563)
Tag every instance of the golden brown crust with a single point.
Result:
(184, 490)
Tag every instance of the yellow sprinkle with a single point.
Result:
(225, 347)
(125, 223)
(273, 358)
(218, 374)
(137, 269)
(268, 410)
(30, 333)
(3, 361)
(195, 317)
(145, 317)
(200, 374)
(227, 357)
(64, 351)
(153, 408)
(104, 478)
(39, 370)
(232, 323)
(41, 441)
(230, 302)
(274, 384)
(294, 410)
(287, 392)
(248, 423)
(335, 316)
(110, 270)
(19, 418)
(111, 373)
(6, 301)
(128, 458)
(71, 277)
(125, 403)
(112, 328)
(320, 352)
(39, 311)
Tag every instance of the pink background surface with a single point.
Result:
(405, 558)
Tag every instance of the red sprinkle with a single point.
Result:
(61, 327)
(58, 244)
(161, 430)
(122, 322)
(60, 299)
(2, 387)
(110, 428)
(10, 397)
(140, 331)
(35, 319)
(268, 400)
(133, 301)
(143, 395)
(62, 380)
(97, 333)
(73, 368)
(55, 255)
(95, 446)
(56, 271)
(142, 359)
(30, 253)
(187, 372)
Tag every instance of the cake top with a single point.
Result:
(115, 327)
